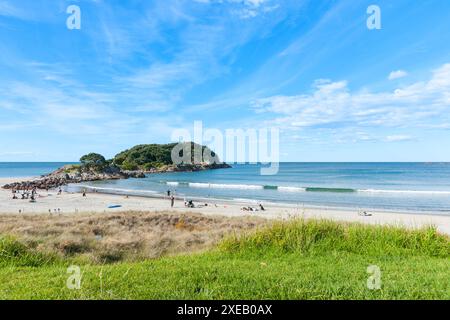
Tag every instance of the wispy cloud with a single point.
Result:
(397, 74)
(245, 9)
(37, 10)
(8, 10)
(138, 69)
(398, 138)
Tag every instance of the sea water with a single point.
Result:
(417, 187)
(28, 169)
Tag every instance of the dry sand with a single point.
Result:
(98, 203)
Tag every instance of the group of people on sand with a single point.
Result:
(261, 208)
(25, 194)
(187, 203)
(31, 193)
(190, 203)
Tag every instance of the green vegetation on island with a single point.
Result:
(153, 156)
(148, 157)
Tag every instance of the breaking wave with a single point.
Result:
(300, 189)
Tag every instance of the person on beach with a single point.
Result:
(189, 204)
(84, 192)
(261, 207)
(14, 194)
(59, 191)
(168, 193)
(364, 213)
(172, 201)
(33, 193)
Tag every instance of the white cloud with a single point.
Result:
(6, 9)
(398, 138)
(255, 3)
(333, 104)
(245, 9)
(397, 74)
(33, 10)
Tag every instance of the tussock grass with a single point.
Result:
(15, 253)
(322, 236)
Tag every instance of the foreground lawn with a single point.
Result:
(293, 260)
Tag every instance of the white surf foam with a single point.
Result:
(424, 192)
(291, 189)
(298, 189)
(245, 200)
(117, 189)
(225, 186)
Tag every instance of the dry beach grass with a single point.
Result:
(113, 237)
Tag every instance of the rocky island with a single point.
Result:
(133, 163)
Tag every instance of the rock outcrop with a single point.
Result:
(68, 174)
(75, 174)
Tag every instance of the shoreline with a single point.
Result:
(244, 202)
(73, 203)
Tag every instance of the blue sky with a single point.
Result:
(137, 70)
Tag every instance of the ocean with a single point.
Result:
(409, 187)
(28, 169)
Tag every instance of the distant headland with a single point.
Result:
(132, 163)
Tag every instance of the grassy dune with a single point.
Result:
(284, 260)
(101, 238)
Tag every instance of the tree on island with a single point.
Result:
(93, 161)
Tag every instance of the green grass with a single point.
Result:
(292, 260)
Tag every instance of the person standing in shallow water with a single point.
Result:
(168, 193)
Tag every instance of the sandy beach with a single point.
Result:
(73, 203)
